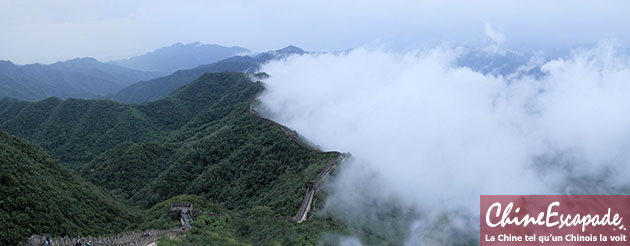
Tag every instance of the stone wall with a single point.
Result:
(130, 239)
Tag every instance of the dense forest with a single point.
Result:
(75, 131)
(199, 140)
(40, 195)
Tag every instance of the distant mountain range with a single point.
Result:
(151, 90)
(179, 56)
(133, 80)
(77, 78)
(129, 81)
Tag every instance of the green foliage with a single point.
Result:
(76, 131)
(126, 168)
(259, 225)
(240, 162)
(151, 90)
(200, 140)
(41, 196)
(158, 216)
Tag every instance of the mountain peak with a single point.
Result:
(180, 56)
(183, 45)
(291, 50)
(6, 63)
(85, 59)
(79, 60)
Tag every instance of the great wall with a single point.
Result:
(181, 211)
(129, 239)
(185, 211)
(312, 186)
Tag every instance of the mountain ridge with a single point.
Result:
(151, 90)
(179, 56)
(75, 78)
(150, 152)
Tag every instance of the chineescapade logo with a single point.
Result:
(554, 220)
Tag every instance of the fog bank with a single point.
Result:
(428, 137)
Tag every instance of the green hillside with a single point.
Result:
(257, 225)
(75, 131)
(237, 161)
(199, 143)
(41, 196)
(199, 140)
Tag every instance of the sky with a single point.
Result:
(48, 31)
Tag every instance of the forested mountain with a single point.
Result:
(40, 195)
(179, 56)
(75, 131)
(146, 91)
(199, 140)
(78, 78)
(109, 72)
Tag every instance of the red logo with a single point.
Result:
(554, 220)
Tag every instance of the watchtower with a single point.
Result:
(177, 209)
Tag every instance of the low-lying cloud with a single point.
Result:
(427, 137)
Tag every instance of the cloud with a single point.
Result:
(427, 137)
(496, 36)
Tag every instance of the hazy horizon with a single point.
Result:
(45, 32)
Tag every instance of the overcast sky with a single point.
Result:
(47, 31)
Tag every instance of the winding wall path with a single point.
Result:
(128, 239)
(136, 239)
(131, 239)
(312, 186)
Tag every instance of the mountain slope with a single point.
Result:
(237, 161)
(77, 78)
(255, 226)
(41, 196)
(117, 74)
(179, 56)
(151, 90)
(199, 140)
(74, 131)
